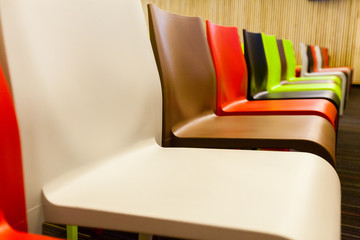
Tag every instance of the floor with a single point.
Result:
(348, 166)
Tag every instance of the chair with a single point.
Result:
(188, 84)
(13, 223)
(232, 77)
(316, 54)
(257, 66)
(88, 99)
(325, 59)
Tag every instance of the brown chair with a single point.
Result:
(188, 86)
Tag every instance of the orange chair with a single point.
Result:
(324, 57)
(13, 224)
(232, 77)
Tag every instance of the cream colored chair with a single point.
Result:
(88, 100)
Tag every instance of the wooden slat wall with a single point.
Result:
(329, 23)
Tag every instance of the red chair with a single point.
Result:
(325, 58)
(13, 224)
(232, 78)
(322, 58)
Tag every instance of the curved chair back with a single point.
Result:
(325, 57)
(321, 52)
(69, 88)
(312, 64)
(256, 63)
(282, 58)
(319, 57)
(195, 92)
(12, 200)
(229, 62)
(289, 59)
(272, 59)
(314, 58)
(304, 59)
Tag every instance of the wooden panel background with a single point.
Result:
(330, 23)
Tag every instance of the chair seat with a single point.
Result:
(329, 95)
(258, 132)
(306, 87)
(279, 107)
(202, 194)
(320, 79)
(332, 69)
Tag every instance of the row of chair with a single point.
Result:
(315, 54)
(147, 135)
(196, 124)
(311, 66)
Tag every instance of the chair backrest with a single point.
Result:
(229, 62)
(272, 59)
(310, 59)
(12, 198)
(290, 59)
(304, 59)
(186, 69)
(322, 57)
(282, 58)
(314, 58)
(325, 57)
(318, 57)
(85, 88)
(256, 63)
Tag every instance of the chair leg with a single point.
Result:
(145, 236)
(72, 232)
